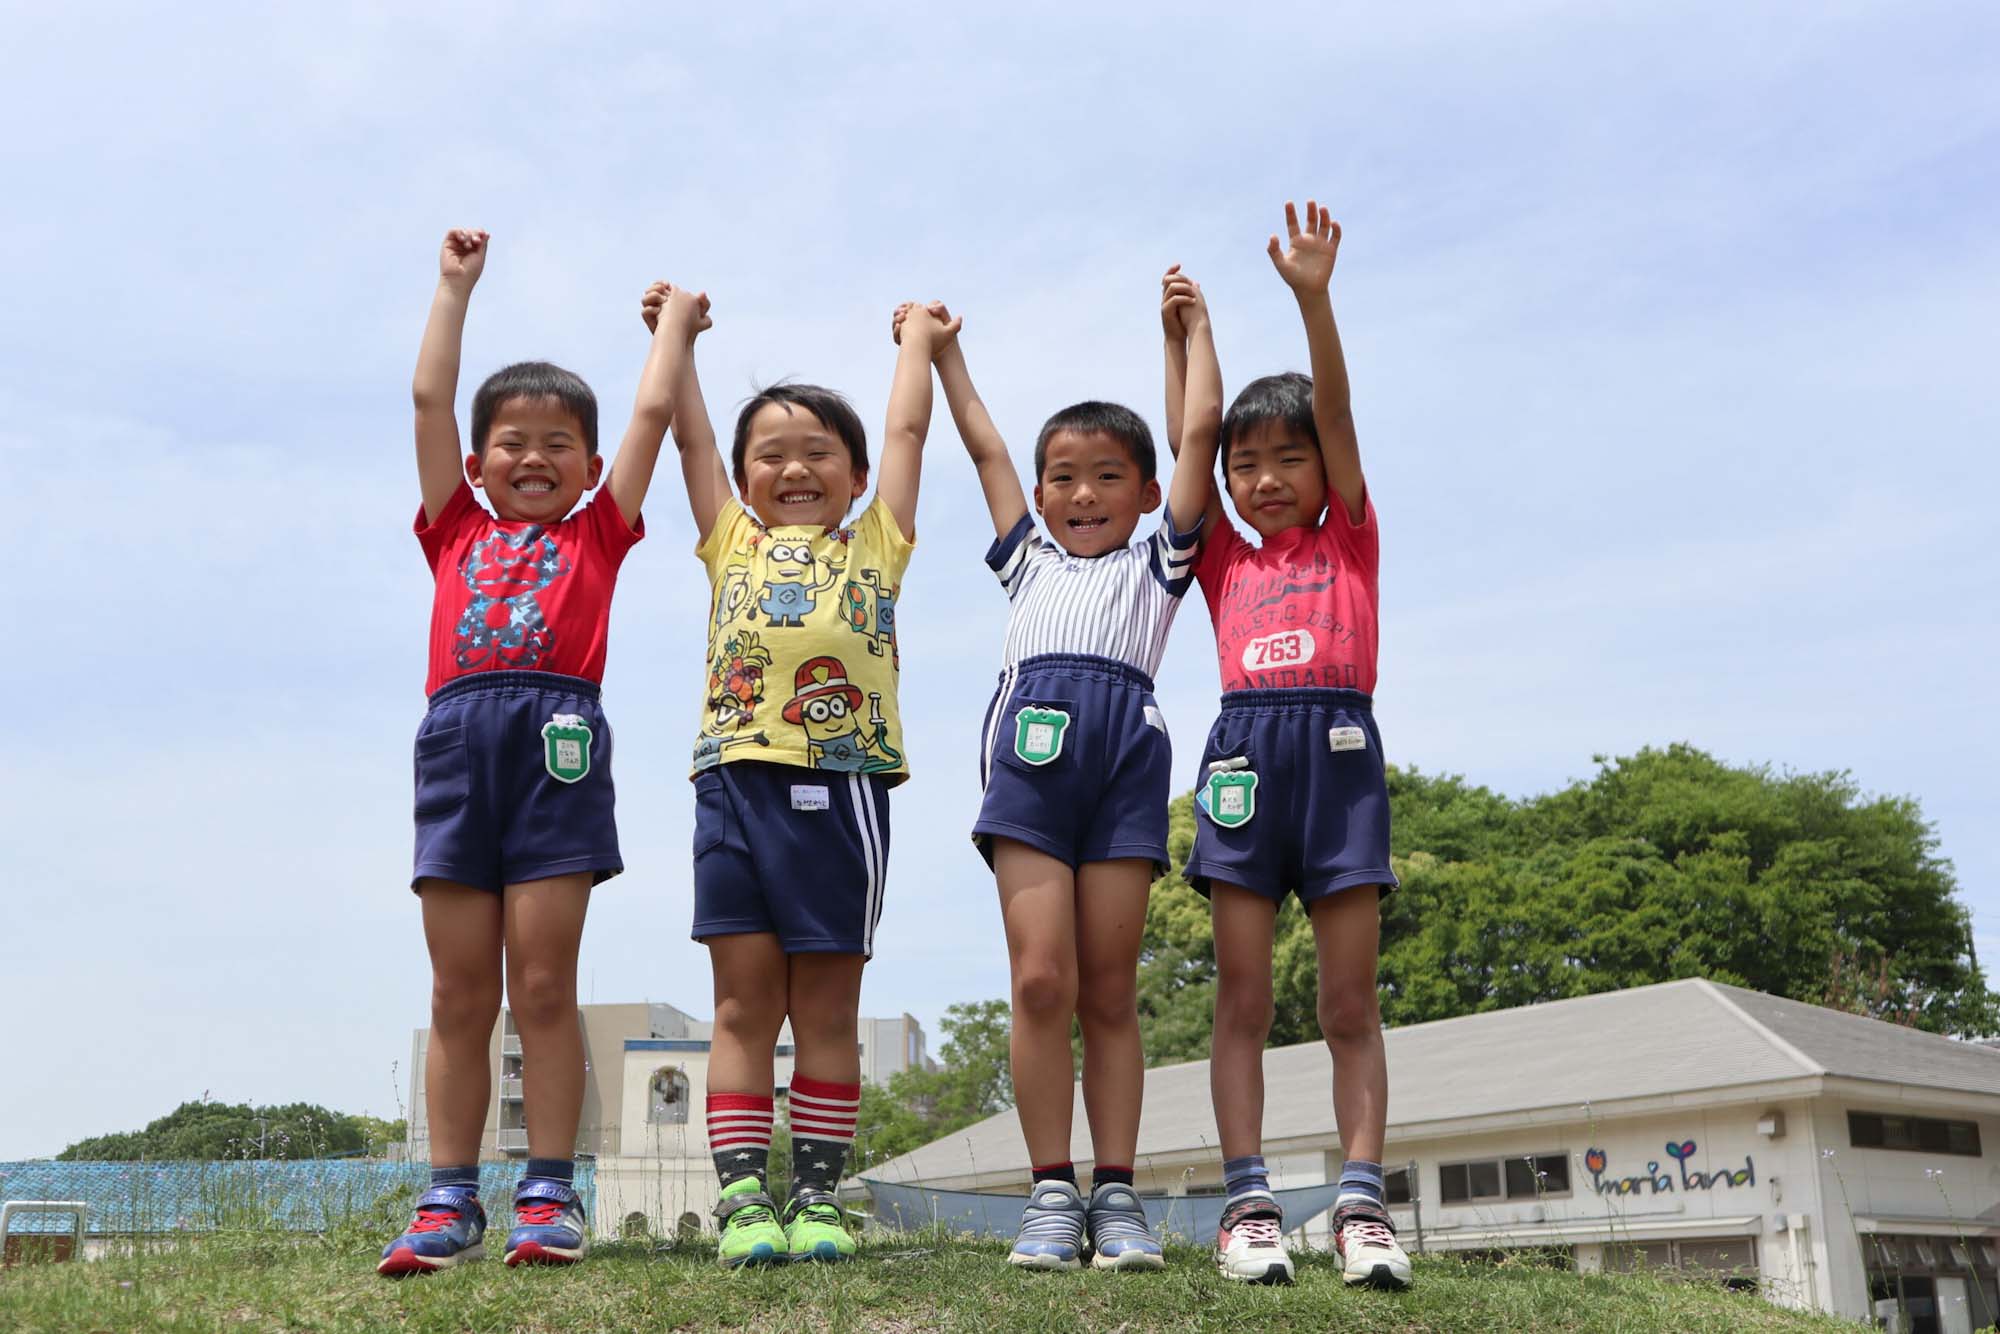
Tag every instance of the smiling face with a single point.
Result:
(796, 470)
(535, 464)
(1090, 492)
(1276, 478)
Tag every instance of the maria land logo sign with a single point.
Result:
(1656, 1182)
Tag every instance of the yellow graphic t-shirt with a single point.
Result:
(802, 659)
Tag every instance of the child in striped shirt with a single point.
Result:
(1076, 764)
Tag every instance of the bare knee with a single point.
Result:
(1109, 1003)
(752, 1018)
(822, 1026)
(1349, 1011)
(464, 1004)
(1044, 989)
(1244, 1011)
(542, 997)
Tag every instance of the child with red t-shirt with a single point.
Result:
(1291, 792)
(513, 758)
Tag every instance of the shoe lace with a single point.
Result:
(1257, 1231)
(538, 1213)
(433, 1219)
(1368, 1232)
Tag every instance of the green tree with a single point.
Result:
(215, 1130)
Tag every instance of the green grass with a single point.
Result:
(248, 1283)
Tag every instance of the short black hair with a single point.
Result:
(534, 380)
(829, 407)
(1286, 398)
(1119, 422)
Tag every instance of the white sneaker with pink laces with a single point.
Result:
(1250, 1247)
(1369, 1255)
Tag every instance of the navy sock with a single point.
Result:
(1361, 1181)
(552, 1169)
(1104, 1176)
(1241, 1175)
(1056, 1172)
(467, 1177)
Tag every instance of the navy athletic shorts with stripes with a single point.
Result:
(801, 853)
(1291, 796)
(513, 776)
(1075, 762)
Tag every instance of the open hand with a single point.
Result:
(681, 309)
(462, 257)
(1306, 264)
(1178, 295)
(938, 323)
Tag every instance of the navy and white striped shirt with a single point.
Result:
(1118, 605)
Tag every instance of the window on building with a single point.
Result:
(1917, 1134)
(1396, 1186)
(668, 1100)
(1520, 1177)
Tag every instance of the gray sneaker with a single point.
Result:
(1118, 1232)
(1051, 1229)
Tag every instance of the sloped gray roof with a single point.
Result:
(1673, 1038)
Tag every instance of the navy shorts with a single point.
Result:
(1291, 796)
(801, 853)
(1076, 762)
(514, 782)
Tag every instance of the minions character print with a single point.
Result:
(827, 707)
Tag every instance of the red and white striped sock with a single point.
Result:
(739, 1135)
(823, 1116)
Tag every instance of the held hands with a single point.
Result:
(681, 309)
(1307, 264)
(462, 258)
(1182, 306)
(929, 321)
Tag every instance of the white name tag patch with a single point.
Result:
(1154, 718)
(1346, 738)
(1279, 650)
(809, 797)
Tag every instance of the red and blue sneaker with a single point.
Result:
(548, 1224)
(449, 1227)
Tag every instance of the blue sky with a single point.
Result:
(1664, 325)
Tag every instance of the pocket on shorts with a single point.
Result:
(711, 812)
(1037, 735)
(443, 771)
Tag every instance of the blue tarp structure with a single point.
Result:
(1191, 1217)
(297, 1195)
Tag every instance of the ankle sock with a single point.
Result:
(1056, 1172)
(739, 1135)
(1100, 1175)
(465, 1177)
(1360, 1182)
(1243, 1175)
(822, 1116)
(551, 1169)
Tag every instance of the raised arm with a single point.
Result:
(702, 468)
(917, 332)
(1181, 303)
(1307, 268)
(1192, 494)
(1005, 500)
(435, 389)
(683, 315)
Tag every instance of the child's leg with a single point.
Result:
(1110, 920)
(1347, 929)
(462, 928)
(750, 989)
(544, 924)
(825, 1006)
(1038, 909)
(1245, 926)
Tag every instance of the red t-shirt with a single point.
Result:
(514, 595)
(1297, 611)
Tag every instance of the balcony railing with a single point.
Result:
(510, 1088)
(511, 1141)
(510, 1044)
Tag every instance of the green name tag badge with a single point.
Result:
(566, 747)
(1038, 734)
(1231, 797)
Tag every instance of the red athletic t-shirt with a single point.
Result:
(522, 596)
(1297, 611)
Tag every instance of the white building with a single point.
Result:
(1838, 1163)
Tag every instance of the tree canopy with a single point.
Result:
(217, 1130)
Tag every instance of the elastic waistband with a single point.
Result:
(510, 682)
(1078, 664)
(1297, 699)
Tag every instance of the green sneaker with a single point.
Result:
(816, 1228)
(749, 1222)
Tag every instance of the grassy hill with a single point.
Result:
(901, 1285)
